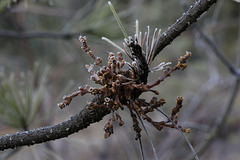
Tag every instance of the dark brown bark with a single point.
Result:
(77, 122)
(182, 23)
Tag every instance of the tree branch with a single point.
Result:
(76, 123)
(224, 115)
(221, 120)
(219, 53)
(87, 117)
(40, 34)
(182, 23)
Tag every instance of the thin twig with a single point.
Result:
(216, 12)
(221, 121)
(83, 12)
(189, 17)
(212, 82)
(186, 139)
(238, 42)
(219, 53)
(153, 148)
(37, 34)
(198, 126)
(222, 118)
(141, 148)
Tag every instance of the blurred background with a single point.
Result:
(41, 61)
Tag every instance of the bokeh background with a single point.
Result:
(41, 61)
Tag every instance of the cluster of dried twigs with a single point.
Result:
(124, 86)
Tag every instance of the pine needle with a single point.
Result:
(153, 148)
(186, 139)
(118, 20)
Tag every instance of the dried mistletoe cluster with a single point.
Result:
(122, 86)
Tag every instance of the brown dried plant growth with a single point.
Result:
(122, 86)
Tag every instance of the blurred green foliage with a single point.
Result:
(21, 96)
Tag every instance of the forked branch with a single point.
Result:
(86, 117)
